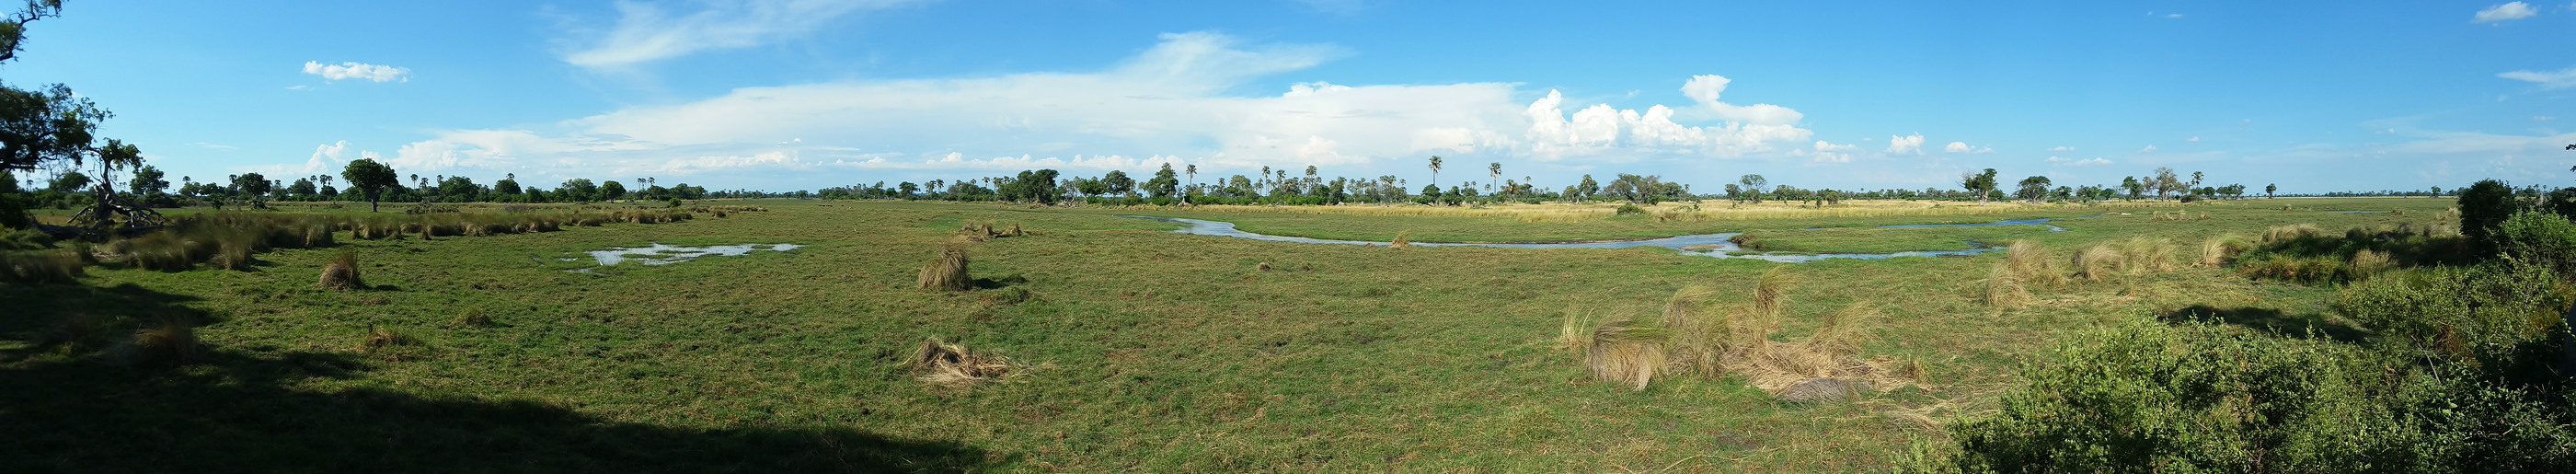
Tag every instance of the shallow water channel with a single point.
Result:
(1707, 245)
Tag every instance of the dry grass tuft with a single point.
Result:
(2099, 262)
(1770, 296)
(1403, 239)
(231, 256)
(1627, 351)
(342, 273)
(2278, 234)
(949, 272)
(2217, 251)
(2367, 263)
(1574, 333)
(473, 318)
(2003, 288)
(2147, 255)
(955, 366)
(1689, 338)
(1264, 266)
(2034, 262)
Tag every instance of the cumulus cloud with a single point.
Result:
(2505, 12)
(1822, 146)
(1903, 144)
(353, 70)
(1167, 102)
(1963, 147)
(2559, 79)
(645, 32)
(328, 158)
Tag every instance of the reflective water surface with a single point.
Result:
(659, 254)
(1708, 245)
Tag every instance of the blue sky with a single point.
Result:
(802, 94)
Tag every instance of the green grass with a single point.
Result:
(1148, 351)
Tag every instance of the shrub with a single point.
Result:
(26, 239)
(2475, 314)
(1630, 210)
(2144, 397)
(2540, 238)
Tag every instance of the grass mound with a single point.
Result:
(54, 266)
(955, 366)
(1692, 336)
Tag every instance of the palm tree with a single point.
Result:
(1435, 170)
(1193, 171)
(1493, 171)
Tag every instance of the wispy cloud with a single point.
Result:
(353, 70)
(2148, 149)
(1963, 147)
(2560, 79)
(646, 32)
(2062, 149)
(2505, 12)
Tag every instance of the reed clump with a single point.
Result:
(1403, 239)
(948, 273)
(2025, 263)
(168, 340)
(2145, 255)
(2099, 262)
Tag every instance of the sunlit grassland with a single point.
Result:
(1152, 351)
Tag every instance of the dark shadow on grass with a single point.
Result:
(2270, 321)
(238, 410)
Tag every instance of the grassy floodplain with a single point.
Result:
(1136, 349)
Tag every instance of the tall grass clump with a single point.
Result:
(167, 340)
(2003, 289)
(1694, 336)
(2099, 262)
(341, 273)
(955, 366)
(2218, 250)
(2145, 255)
(2034, 262)
(44, 266)
(948, 273)
(1403, 239)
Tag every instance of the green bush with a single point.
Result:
(2482, 206)
(2540, 238)
(25, 239)
(1631, 210)
(2474, 314)
(2199, 397)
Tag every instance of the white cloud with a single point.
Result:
(352, 70)
(1822, 157)
(2505, 12)
(2149, 149)
(1167, 102)
(1822, 146)
(327, 158)
(2560, 79)
(2053, 159)
(1963, 147)
(2091, 162)
(645, 32)
(2542, 118)
(2062, 149)
(2176, 15)
(1705, 88)
(1897, 144)
(298, 87)
(2193, 140)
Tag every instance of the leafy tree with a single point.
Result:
(147, 181)
(611, 190)
(907, 187)
(2482, 206)
(509, 184)
(2165, 182)
(578, 189)
(1118, 183)
(1493, 171)
(1164, 184)
(2136, 188)
(370, 179)
(1586, 188)
(1753, 184)
(460, 188)
(2033, 188)
(1983, 184)
(2268, 189)
(252, 185)
(302, 187)
(71, 182)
